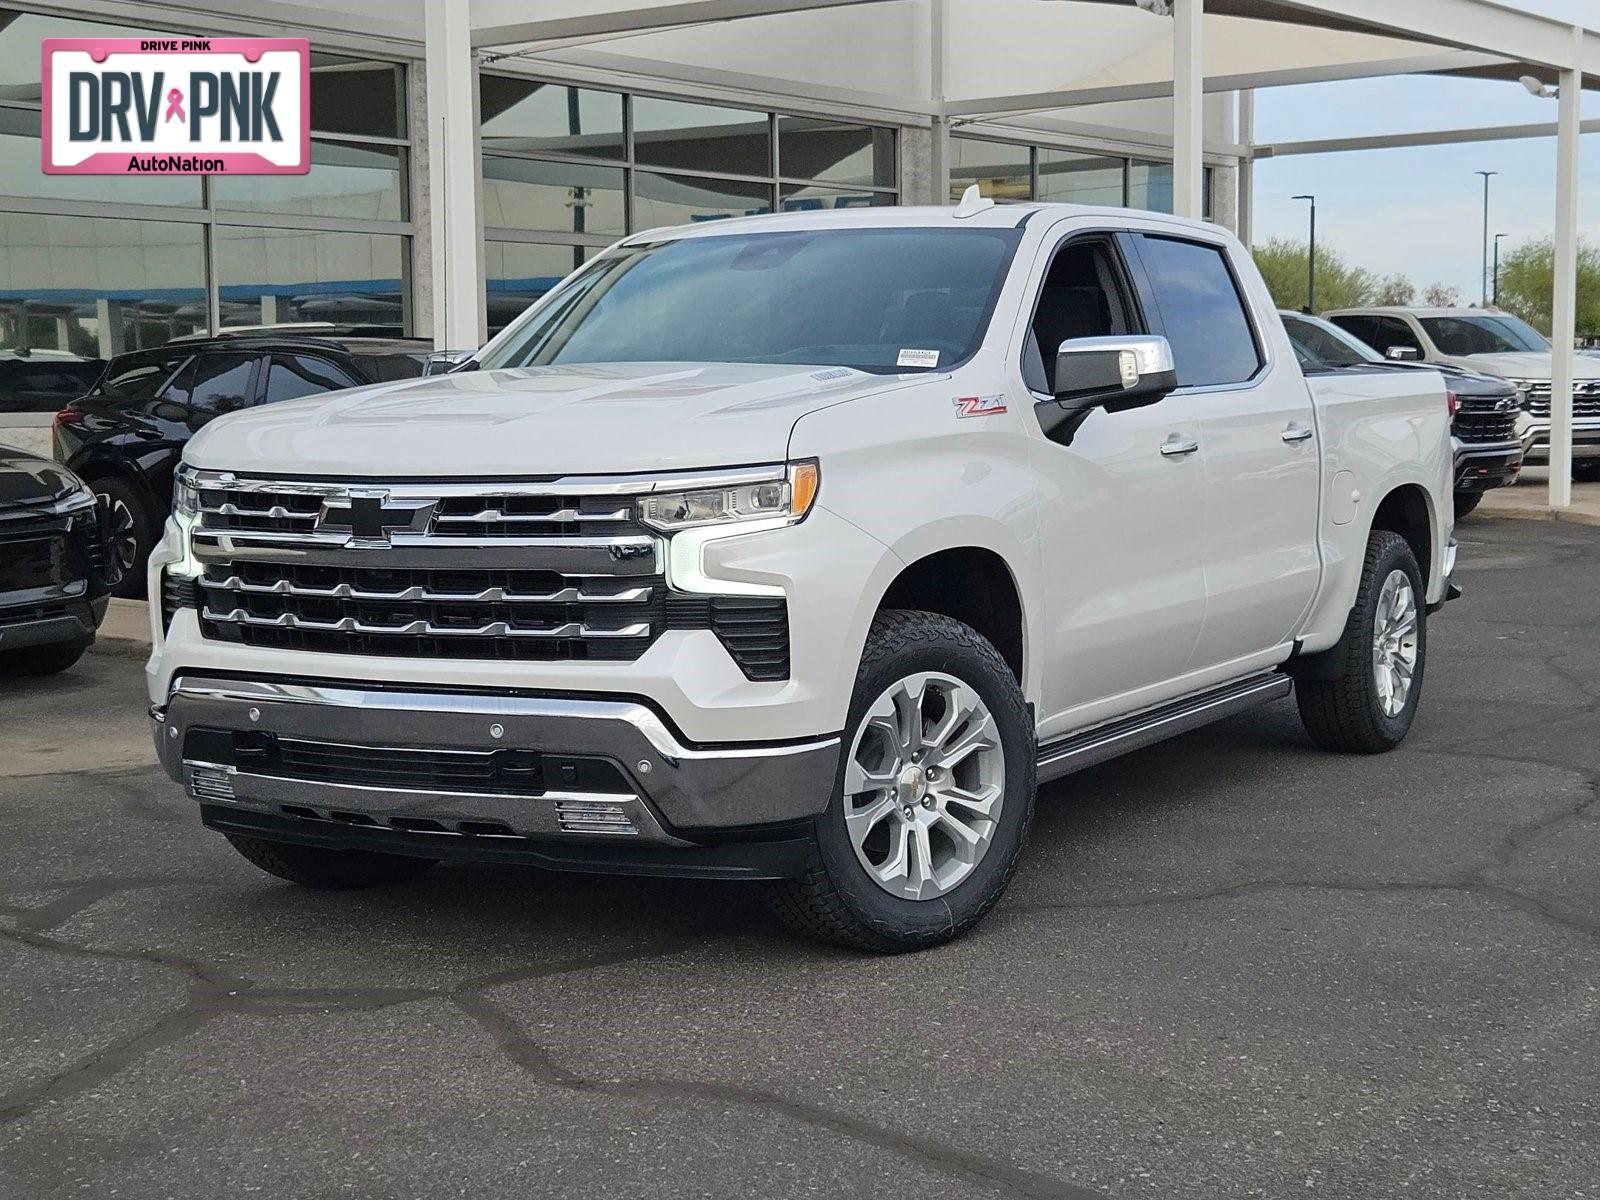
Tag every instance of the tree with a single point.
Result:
(1527, 284)
(1395, 290)
(1436, 295)
(1283, 265)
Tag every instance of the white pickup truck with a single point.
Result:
(801, 549)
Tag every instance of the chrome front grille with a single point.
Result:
(1585, 399)
(431, 613)
(1482, 420)
(556, 570)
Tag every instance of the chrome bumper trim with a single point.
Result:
(687, 787)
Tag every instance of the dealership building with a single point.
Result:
(466, 154)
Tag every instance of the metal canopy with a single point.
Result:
(1179, 48)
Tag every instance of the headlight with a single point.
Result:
(787, 499)
(77, 501)
(185, 496)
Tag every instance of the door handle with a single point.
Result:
(1297, 433)
(1173, 448)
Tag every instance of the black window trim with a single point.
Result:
(1109, 236)
(1265, 360)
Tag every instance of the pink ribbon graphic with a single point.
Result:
(174, 106)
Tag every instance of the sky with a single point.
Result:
(1416, 211)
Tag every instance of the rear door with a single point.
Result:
(1258, 447)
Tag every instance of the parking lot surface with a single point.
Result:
(1230, 966)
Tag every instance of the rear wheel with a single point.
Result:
(328, 870)
(1466, 502)
(1586, 470)
(129, 532)
(933, 797)
(1367, 703)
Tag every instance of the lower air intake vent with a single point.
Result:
(588, 816)
(211, 783)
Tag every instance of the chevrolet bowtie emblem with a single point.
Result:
(370, 516)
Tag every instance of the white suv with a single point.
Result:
(1495, 343)
(800, 549)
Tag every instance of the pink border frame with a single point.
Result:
(236, 163)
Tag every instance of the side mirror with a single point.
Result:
(1403, 354)
(1113, 373)
(442, 362)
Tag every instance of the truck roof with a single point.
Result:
(994, 216)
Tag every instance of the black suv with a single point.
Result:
(126, 436)
(52, 566)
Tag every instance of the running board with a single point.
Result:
(1101, 742)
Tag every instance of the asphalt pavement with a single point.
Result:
(1230, 966)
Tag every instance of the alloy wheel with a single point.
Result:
(924, 785)
(122, 536)
(1394, 642)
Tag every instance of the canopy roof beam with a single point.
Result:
(496, 23)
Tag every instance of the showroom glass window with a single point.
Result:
(1006, 170)
(92, 266)
(568, 170)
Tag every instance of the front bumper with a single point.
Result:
(661, 806)
(1481, 466)
(1585, 439)
(50, 624)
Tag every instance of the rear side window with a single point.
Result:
(295, 375)
(1381, 333)
(137, 380)
(1213, 343)
(388, 368)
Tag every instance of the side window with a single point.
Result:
(217, 383)
(1359, 328)
(1082, 296)
(1392, 331)
(138, 380)
(1213, 343)
(294, 375)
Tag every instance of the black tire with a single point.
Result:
(328, 870)
(124, 514)
(1466, 502)
(41, 660)
(837, 901)
(1586, 470)
(1344, 712)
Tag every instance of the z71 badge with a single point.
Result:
(979, 406)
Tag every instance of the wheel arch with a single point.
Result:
(972, 584)
(1407, 510)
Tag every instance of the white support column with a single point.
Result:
(1564, 309)
(1245, 203)
(939, 88)
(454, 225)
(1188, 108)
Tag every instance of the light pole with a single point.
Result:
(1311, 257)
(1486, 175)
(1496, 293)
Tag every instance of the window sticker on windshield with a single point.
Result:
(979, 406)
(918, 358)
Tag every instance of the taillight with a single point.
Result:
(1452, 402)
(67, 416)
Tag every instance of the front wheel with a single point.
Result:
(1466, 502)
(1366, 703)
(933, 796)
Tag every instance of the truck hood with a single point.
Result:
(593, 419)
(28, 479)
(1527, 365)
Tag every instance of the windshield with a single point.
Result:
(1500, 333)
(1327, 343)
(879, 300)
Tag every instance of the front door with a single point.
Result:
(1123, 522)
